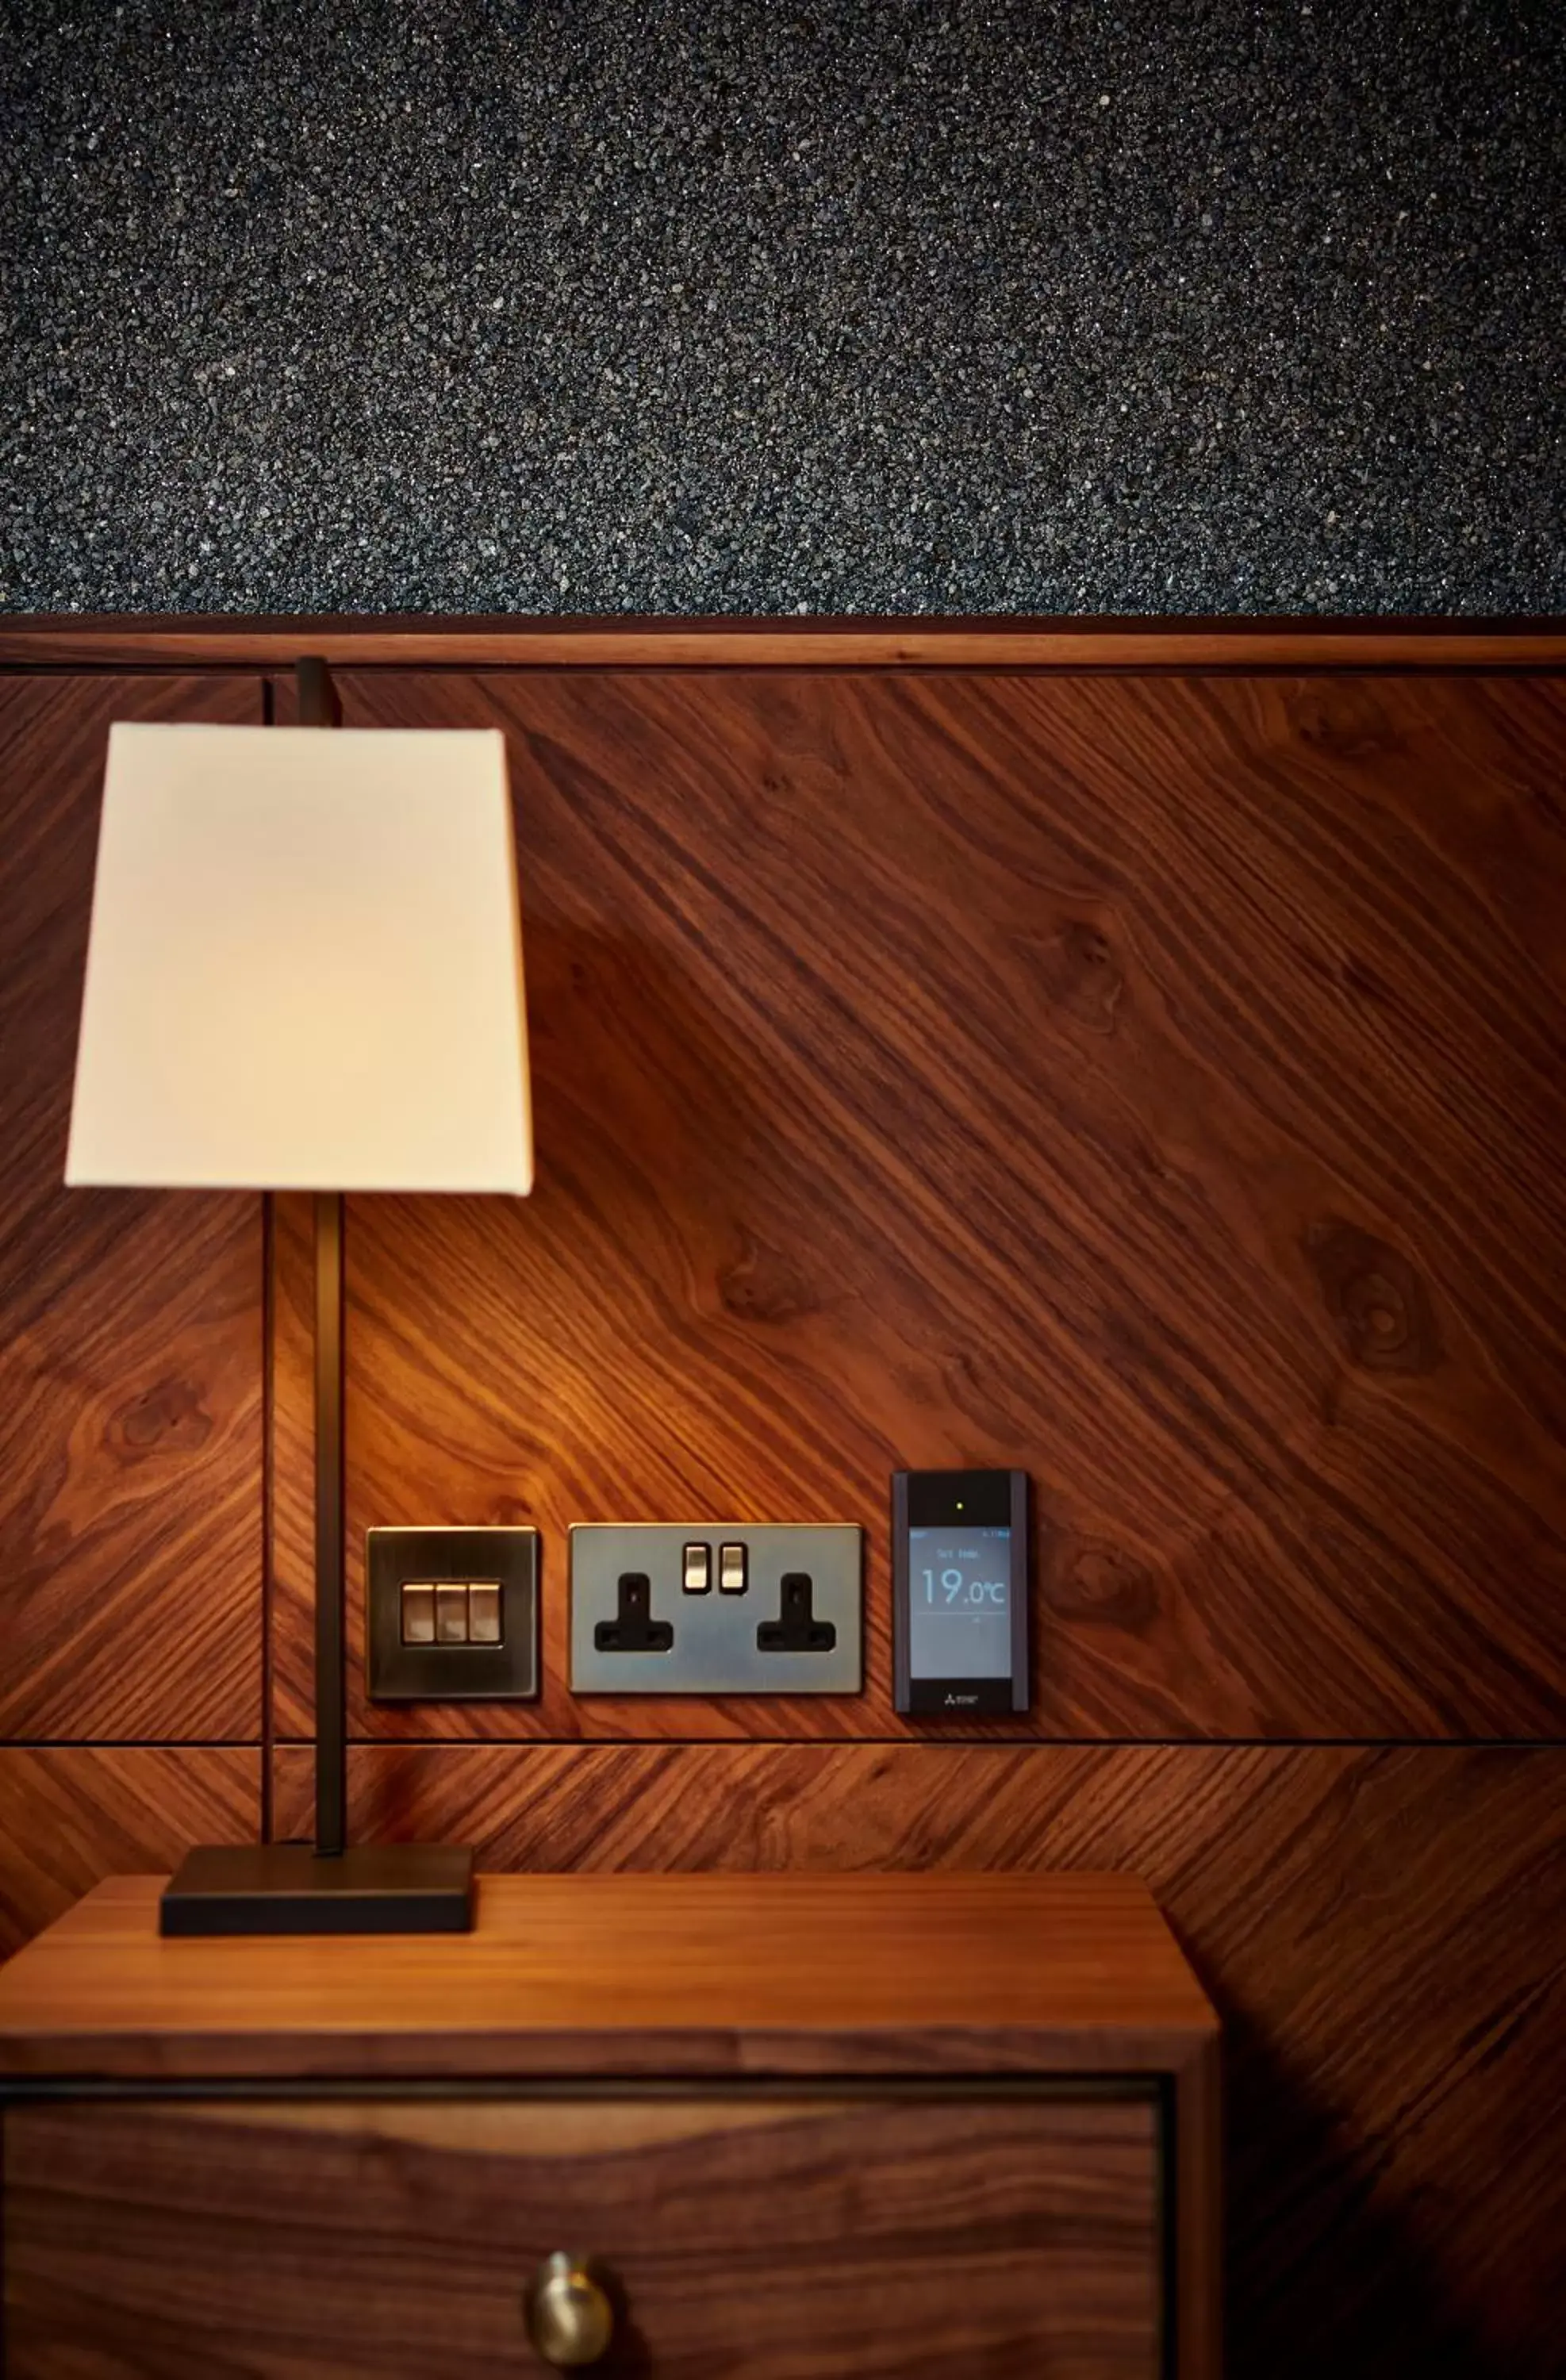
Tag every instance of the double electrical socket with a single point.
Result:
(717, 1607)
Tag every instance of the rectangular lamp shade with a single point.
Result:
(304, 970)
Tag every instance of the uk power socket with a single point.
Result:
(717, 1607)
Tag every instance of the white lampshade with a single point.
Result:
(305, 966)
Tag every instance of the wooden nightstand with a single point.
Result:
(792, 2125)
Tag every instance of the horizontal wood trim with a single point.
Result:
(820, 2238)
(113, 641)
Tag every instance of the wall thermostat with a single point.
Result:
(959, 1583)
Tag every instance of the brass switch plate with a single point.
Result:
(451, 1615)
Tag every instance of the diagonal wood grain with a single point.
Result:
(1384, 1934)
(72, 1815)
(1154, 1083)
(1154, 1080)
(130, 1373)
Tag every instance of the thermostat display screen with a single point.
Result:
(959, 1603)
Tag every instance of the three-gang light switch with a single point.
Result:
(452, 1614)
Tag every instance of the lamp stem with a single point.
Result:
(331, 1703)
(318, 706)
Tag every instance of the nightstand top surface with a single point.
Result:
(598, 1976)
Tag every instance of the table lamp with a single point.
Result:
(304, 972)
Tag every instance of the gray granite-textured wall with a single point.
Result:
(783, 305)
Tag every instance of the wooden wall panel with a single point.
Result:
(72, 1815)
(131, 1375)
(1155, 1083)
(1152, 1080)
(1384, 1933)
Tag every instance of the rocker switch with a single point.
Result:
(698, 1571)
(732, 1579)
(419, 1614)
(483, 1613)
(451, 1615)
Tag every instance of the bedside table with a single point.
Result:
(781, 2125)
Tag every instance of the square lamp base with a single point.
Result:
(288, 1888)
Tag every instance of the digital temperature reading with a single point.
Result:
(988, 1593)
(959, 1586)
(961, 1625)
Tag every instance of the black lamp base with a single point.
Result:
(289, 1888)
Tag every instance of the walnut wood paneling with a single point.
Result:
(501, 641)
(131, 1375)
(812, 2237)
(72, 1815)
(1150, 1078)
(1384, 1933)
(1155, 1083)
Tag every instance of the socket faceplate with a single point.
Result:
(715, 1650)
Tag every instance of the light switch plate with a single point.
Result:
(713, 1643)
(475, 1671)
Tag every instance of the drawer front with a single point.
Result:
(885, 2233)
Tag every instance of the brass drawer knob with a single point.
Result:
(570, 2314)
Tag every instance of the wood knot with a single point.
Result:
(1379, 1305)
(762, 1286)
(1343, 718)
(1081, 973)
(1093, 1579)
(168, 1416)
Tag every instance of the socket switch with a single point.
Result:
(788, 1617)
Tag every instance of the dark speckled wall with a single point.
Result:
(783, 305)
